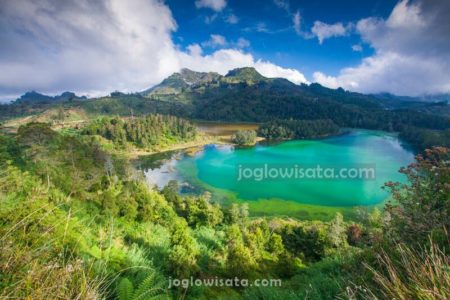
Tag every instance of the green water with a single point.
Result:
(380, 153)
(216, 168)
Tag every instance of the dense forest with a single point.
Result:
(79, 222)
(144, 132)
(297, 129)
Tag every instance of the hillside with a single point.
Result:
(244, 95)
(178, 82)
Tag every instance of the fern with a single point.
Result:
(152, 287)
(125, 289)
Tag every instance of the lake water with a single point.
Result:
(370, 158)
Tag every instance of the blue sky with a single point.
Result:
(279, 42)
(95, 47)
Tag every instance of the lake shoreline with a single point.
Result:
(289, 200)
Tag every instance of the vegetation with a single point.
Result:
(297, 129)
(245, 95)
(143, 132)
(244, 137)
(77, 221)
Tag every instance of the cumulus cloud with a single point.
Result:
(412, 52)
(216, 5)
(270, 70)
(324, 31)
(87, 46)
(328, 81)
(95, 47)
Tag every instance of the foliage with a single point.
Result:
(41, 244)
(336, 232)
(152, 287)
(422, 205)
(244, 137)
(183, 250)
(143, 132)
(298, 129)
(403, 272)
(77, 221)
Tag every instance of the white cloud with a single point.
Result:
(232, 19)
(328, 81)
(270, 70)
(357, 48)
(194, 50)
(412, 52)
(85, 46)
(216, 40)
(242, 43)
(216, 5)
(296, 19)
(324, 31)
(95, 47)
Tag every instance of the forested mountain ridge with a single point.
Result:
(245, 95)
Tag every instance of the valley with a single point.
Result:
(126, 192)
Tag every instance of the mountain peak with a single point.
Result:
(177, 82)
(245, 73)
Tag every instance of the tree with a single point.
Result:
(422, 204)
(240, 260)
(183, 250)
(237, 214)
(275, 245)
(35, 133)
(244, 137)
(336, 232)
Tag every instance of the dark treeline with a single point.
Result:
(297, 129)
(148, 131)
(238, 99)
(421, 138)
(264, 103)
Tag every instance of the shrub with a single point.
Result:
(244, 137)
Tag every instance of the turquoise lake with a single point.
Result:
(220, 168)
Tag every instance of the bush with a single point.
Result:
(244, 137)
